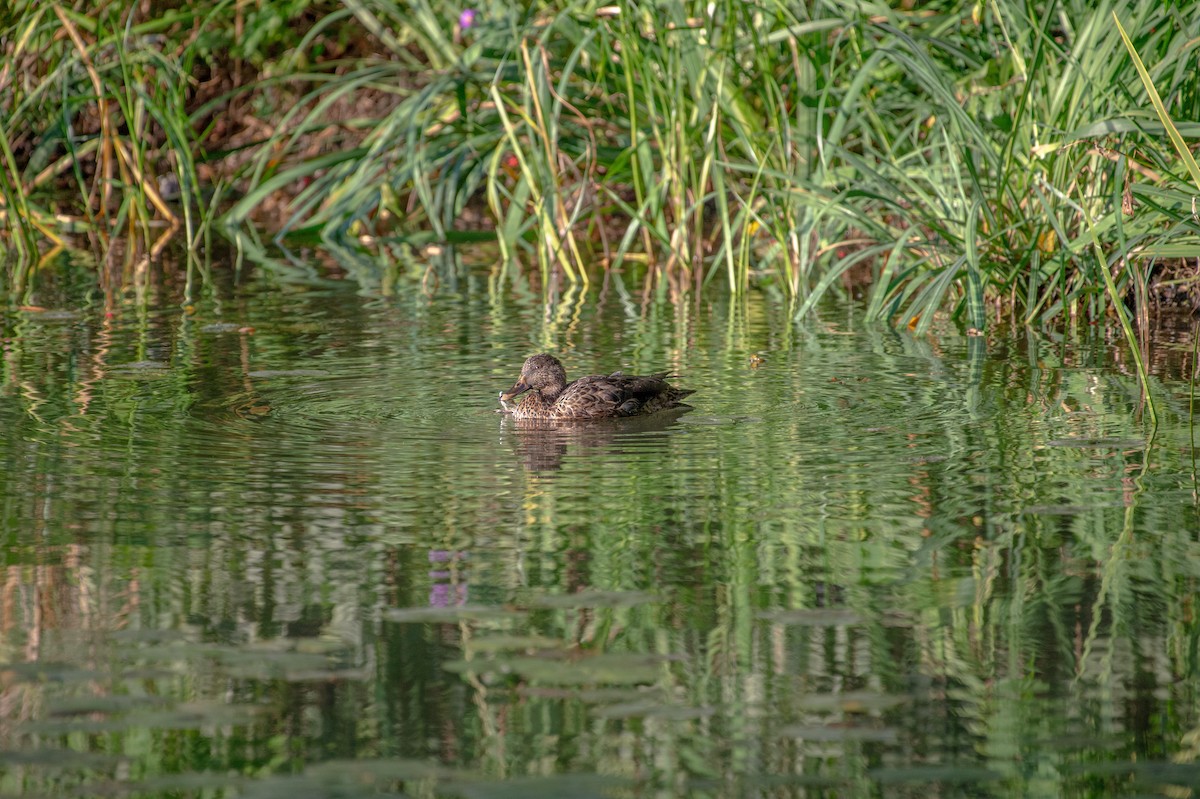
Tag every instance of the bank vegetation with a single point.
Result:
(932, 158)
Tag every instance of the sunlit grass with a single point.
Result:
(949, 159)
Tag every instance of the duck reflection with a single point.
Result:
(542, 444)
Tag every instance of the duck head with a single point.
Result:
(541, 373)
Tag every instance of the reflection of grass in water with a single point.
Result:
(85, 705)
(367, 777)
(507, 642)
(583, 786)
(427, 615)
(919, 558)
(49, 760)
(562, 669)
(924, 775)
(587, 599)
(185, 716)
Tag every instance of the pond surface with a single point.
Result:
(281, 545)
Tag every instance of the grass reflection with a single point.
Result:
(872, 564)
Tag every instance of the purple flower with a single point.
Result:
(467, 18)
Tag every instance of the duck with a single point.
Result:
(593, 397)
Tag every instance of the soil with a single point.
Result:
(1174, 286)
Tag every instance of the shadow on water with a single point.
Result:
(279, 544)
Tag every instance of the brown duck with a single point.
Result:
(591, 397)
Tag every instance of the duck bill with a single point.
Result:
(520, 388)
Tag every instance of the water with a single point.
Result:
(281, 545)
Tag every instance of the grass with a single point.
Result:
(952, 160)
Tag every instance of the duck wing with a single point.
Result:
(619, 394)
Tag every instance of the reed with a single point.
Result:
(949, 160)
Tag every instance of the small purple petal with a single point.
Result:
(467, 18)
(440, 596)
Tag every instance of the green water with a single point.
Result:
(283, 546)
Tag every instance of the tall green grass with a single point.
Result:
(949, 159)
(96, 127)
